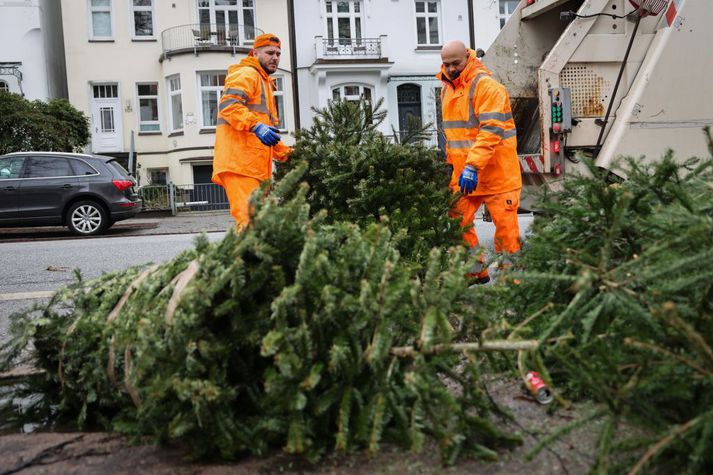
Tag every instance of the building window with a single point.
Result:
(142, 13)
(148, 107)
(4, 86)
(175, 103)
(105, 91)
(158, 176)
(211, 88)
(279, 94)
(507, 8)
(408, 97)
(427, 23)
(100, 19)
(344, 21)
(228, 18)
(351, 92)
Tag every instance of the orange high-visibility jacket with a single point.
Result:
(247, 99)
(479, 129)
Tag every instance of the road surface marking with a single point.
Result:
(27, 295)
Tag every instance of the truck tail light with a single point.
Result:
(122, 185)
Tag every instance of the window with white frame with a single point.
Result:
(148, 107)
(100, 22)
(142, 16)
(351, 92)
(175, 103)
(428, 23)
(344, 20)
(279, 94)
(4, 86)
(211, 88)
(507, 8)
(229, 18)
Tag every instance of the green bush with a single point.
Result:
(53, 126)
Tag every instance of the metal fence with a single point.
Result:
(361, 47)
(204, 36)
(178, 198)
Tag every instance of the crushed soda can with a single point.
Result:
(538, 388)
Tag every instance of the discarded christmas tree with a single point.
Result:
(358, 175)
(618, 278)
(277, 337)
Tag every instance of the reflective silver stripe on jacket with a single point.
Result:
(222, 121)
(453, 144)
(472, 121)
(495, 116)
(499, 131)
(237, 92)
(229, 102)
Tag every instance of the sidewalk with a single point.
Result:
(149, 223)
(182, 223)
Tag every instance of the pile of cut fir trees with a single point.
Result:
(325, 325)
(616, 283)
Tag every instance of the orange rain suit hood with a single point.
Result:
(247, 100)
(479, 129)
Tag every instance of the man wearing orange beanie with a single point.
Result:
(247, 139)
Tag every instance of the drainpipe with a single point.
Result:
(471, 24)
(293, 61)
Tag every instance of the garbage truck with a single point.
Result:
(604, 79)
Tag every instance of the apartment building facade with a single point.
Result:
(31, 49)
(149, 74)
(386, 50)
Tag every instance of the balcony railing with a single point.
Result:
(350, 48)
(203, 37)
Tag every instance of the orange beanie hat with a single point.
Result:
(266, 39)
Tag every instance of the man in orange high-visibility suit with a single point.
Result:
(482, 148)
(247, 139)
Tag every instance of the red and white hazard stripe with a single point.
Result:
(672, 11)
(649, 7)
(532, 163)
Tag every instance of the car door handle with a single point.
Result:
(67, 186)
(10, 188)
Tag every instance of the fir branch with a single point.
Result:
(493, 345)
(663, 351)
(676, 432)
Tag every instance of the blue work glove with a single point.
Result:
(267, 134)
(468, 179)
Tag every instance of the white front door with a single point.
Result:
(106, 119)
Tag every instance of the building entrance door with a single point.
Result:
(106, 118)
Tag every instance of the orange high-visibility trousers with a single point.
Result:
(239, 188)
(503, 209)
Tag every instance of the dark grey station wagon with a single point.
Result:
(86, 193)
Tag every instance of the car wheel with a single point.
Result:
(87, 218)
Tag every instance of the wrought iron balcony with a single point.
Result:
(199, 37)
(350, 48)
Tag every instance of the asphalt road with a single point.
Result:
(33, 268)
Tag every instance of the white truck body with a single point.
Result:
(664, 99)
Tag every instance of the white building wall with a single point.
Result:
(30, 34)
(486, 14)
(394, 21)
